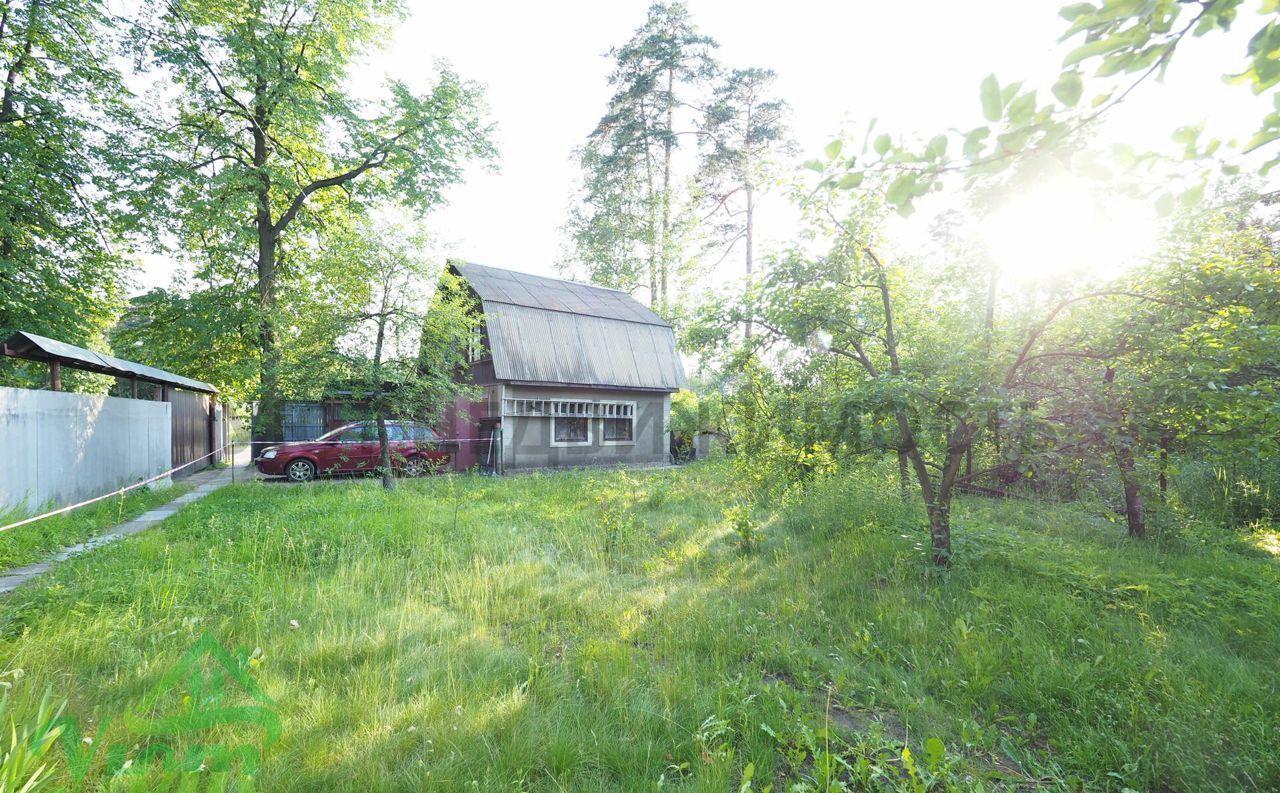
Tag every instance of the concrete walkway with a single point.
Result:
(205, 483)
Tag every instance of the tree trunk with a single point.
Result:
(384, 455)
(651, 215)
(384, 443)
(1164, 464)
(1134, 509)
(667, 144)
(750, 242)
(268, 423)
(18, 65)
(904, 476)
(940, 533)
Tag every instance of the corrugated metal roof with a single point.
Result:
(553, 294)
(40, 348)
(544, 330)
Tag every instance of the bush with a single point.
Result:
(743, 525)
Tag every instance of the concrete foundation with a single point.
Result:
(58, 447)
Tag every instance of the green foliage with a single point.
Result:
(740, 520)
(693, 414)
(207, 334)
(64, 214)
(1178, 356)
(1124, 44)
(742, 133)
(265, 157)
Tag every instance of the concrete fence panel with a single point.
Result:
(58, 447)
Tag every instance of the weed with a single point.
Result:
(744, 526)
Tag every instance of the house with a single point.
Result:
(571, 375)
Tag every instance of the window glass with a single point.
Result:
(571, 429)
(395, 432)
(362, 433)
(616, 429)
(421, 432)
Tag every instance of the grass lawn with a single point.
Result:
(604, 631)
(35, 541)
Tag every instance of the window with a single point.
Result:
(418, 432)
(517, 406)
(356, 435)
(395, 432)
(570, 431)
(618, 430)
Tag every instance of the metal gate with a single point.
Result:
(192, 428)
(303, 421)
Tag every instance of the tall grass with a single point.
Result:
(34, 541)
(1229, 495)
(609, 631)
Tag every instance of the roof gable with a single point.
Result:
(547, 331)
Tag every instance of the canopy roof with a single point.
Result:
(545, 331)
(40, 348)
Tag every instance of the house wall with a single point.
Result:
(460, 425)
(526, 440)
(59, 447)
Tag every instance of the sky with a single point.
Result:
(913, 66)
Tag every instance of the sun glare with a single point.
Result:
(1068, 228)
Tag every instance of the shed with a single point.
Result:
(197, 427)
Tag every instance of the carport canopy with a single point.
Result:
(33, 347)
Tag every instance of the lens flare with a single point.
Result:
(1068, 228)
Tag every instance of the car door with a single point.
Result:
(356, 449)
(401, 444)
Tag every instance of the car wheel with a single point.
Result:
(301, 471)
(414, 467)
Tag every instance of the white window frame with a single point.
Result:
(561, 444)
(629, 414)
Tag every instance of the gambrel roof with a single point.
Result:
(546, 331)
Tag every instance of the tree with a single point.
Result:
(628, 162)
(265, 146)
(1183, 356)
(207, 334)
(407, 345)
(742, 130)
(63, 164)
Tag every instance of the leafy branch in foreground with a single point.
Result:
(1131, 40)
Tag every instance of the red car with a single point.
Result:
(354, 447)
